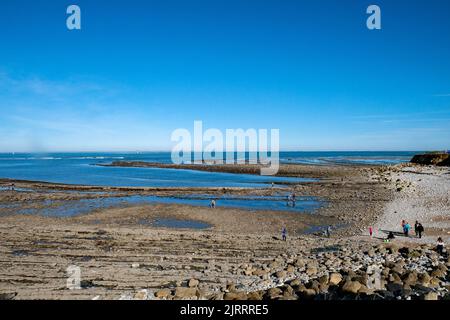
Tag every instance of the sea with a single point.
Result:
(82, 168)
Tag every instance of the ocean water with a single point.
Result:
(348, 157)
(80, 168)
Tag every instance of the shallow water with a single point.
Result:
(84, 206)
(8, 188)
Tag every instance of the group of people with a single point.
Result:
(406, 227)
(418, 228)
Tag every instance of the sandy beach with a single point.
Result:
(122, 254)
(422, 193)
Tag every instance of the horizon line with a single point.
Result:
(169, 151)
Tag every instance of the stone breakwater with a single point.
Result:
(386, 271)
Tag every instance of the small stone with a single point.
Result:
(257, 295)
(335, 279)
(438, 273)
(193, 283)
(424, 279)
(231, 287)
(141, 295)
(235, 296)
(295, 283)
(260, 272)
(163, 293)
(430, 296)
(274, 293)
(323, 280)
(311, 271)
(435, 282)
(290, 269)
(307, 292)
(410, 278)
(300, 263)
(182, 292)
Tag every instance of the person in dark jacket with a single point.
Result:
(284, 233)
(418, 229)
(440, 246)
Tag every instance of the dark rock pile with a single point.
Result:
(438, 159)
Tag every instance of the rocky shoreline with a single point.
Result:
(381, 272)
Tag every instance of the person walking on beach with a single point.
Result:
(328, 231)
(406, 228)
(284, 233)
(213, 204)
(418, 229)
(293, 199)
(371, 231)
(440, 246)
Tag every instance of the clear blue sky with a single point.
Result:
(140, 69)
